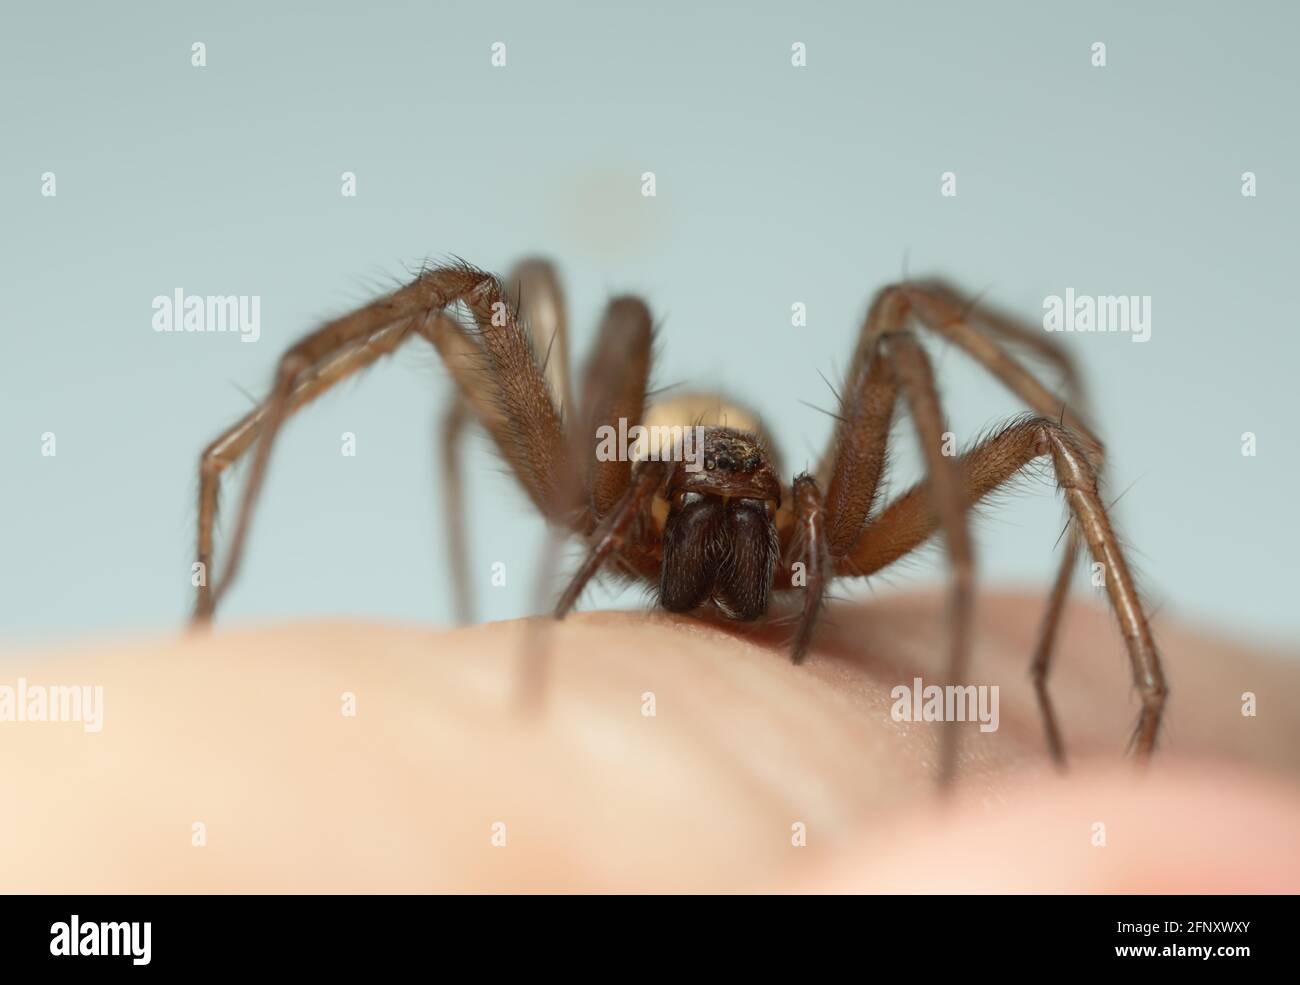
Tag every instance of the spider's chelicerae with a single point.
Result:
(728, 534)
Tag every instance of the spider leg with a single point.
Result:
(852, 471)
(231, 445)
(535, 288)
(860, 443)
(915, 378)
(613, 389)
(493, 365)
(454, 422)
(497, 369)
(614, 530)
(614, 383)
(812, 551)
(943, 316)
(910, 520)
(887, 363)
(1008, 329)
(940, 309)
(1041, 663)
(856, 462)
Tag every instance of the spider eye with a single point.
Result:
(686, 498)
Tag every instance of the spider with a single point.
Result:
(727, 536)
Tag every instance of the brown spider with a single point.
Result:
(727, 535)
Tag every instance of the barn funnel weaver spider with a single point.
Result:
(731, 535)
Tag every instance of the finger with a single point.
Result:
(1192, 827)
(671, 754)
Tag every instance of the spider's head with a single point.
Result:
(720, 542)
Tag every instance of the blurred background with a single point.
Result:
(775, 184)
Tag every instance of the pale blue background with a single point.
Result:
(775, 185)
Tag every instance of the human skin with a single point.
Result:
(243, 731)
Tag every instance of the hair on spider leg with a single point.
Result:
(1162, 732)
(839, 400)
(381, 281)
(245, 393)
(971, 308)
(903, 271)
(1127, 489)
(661, 390)
(823, 410)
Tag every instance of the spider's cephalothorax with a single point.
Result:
(727, 534)
(719, 540)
